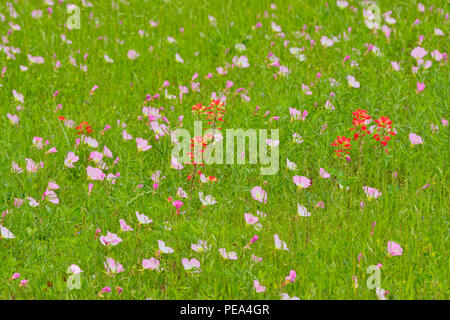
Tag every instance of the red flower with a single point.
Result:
(360, 117)
(343, 145)
(84, 127)
(384, 122)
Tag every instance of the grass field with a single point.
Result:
(77, 98)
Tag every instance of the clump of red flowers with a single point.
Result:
(198, 146)
(214, 113)
(342, 144)
(84, 128)
(380, 132)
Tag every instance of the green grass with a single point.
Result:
(324, 247)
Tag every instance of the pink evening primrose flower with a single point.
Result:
(110, 239)
(112, 266)
(415, 139)
(71, 158)
(75, 269)
(142, 218)
(258, 287)
(152, 264)
(15, 276)
(228, 255)
(394, 249)
(175, 164)
(291, 277)
(250, 219)
(371, 193)
(302, 211)
(324, 174)
(142, 145)
(279, 244)
(95, 173)
(124, 226)
(241, 62)
(192, 264)
(23, 283)
(163, 248)
(418, 53)
(420, 87)
(200, 247)
(259, 194)
(132, 54)
(301, 181)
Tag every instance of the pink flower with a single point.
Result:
(51, 196)
(301, 181)
(177, 204)
(75, 269)
(395, 65)
(23, 283)
(71, 158)
(90, 187)
(112, 266)
(132, 54)
(420, 87)
(124, 226)
(142, 144)
(291, 277)
(285, 296)
(110, 239)
(241, 62)
(15, 276)
(352, 82)
(279, 244)
(250, 219)
(31, 166)
(258, 287)
(371, 193)
(191, 264)
(259, 194)
(95, 173)
(175, 164)
(256, 259)
(142, 218)
(105, 290)
(200, 246)
(230, 255)
(381, 293)
(163, 248)
(95, 87)
(95, 156)
(13, 119)
(324, 174)
(151, 263)
(302, 211)
(415, 139)
(418, 53)
(394, 249)
(181, 193)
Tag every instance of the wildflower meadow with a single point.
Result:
(222, 150)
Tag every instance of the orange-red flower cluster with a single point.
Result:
(342, 144)
(84, 128)
(381, 132)
(214, 113)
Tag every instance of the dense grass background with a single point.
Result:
(324, 247)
